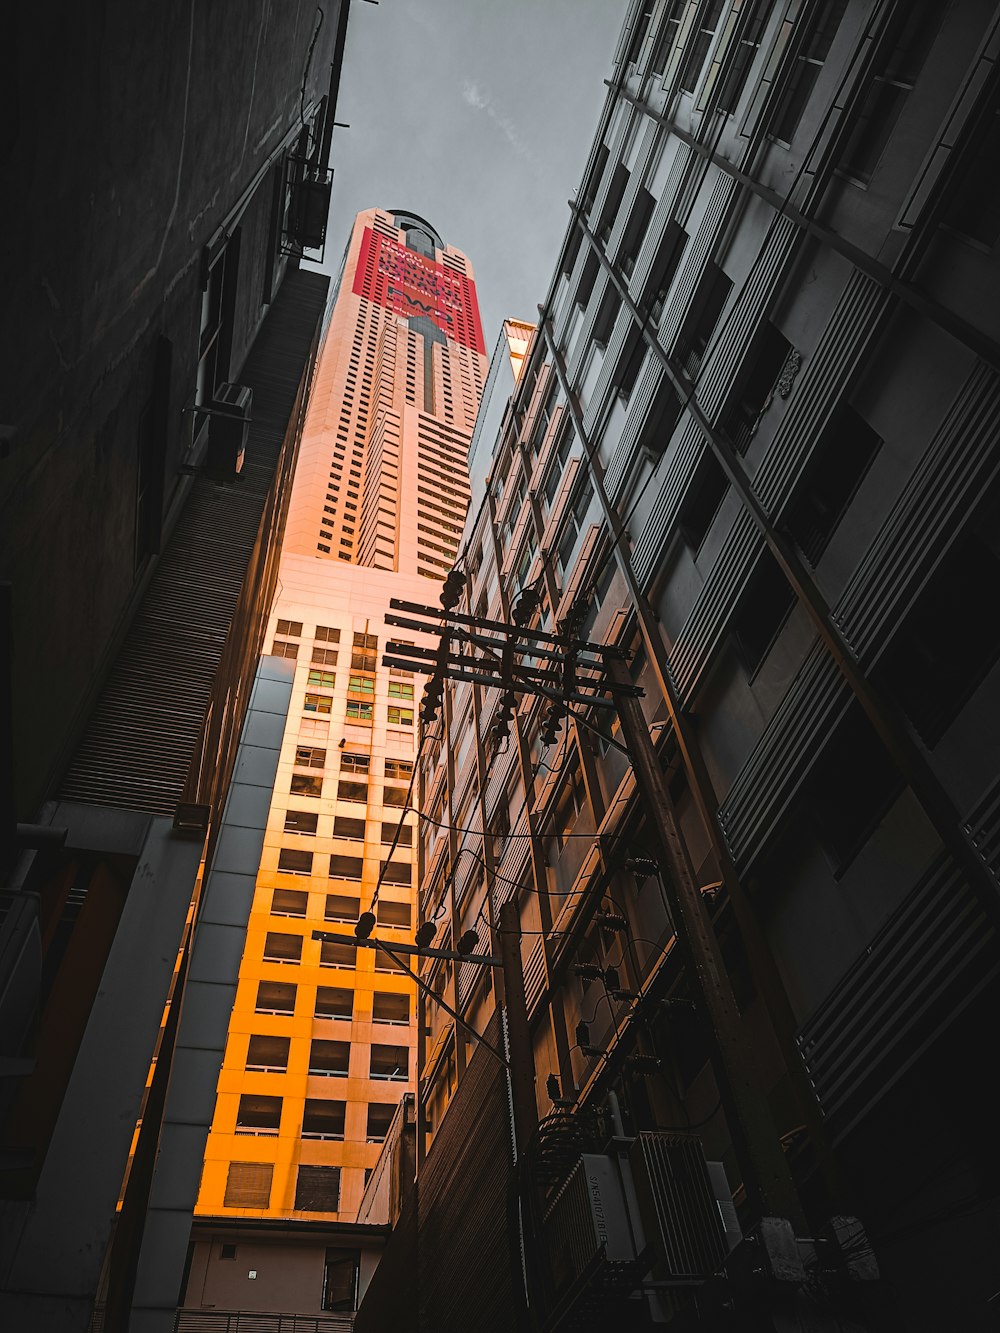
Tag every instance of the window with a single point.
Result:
(974, 209)
(630, 361)
(289, 902)
(390, 1007)
(258, 1114)
(612, 203)
(400, 717)
(294, 862)
(805, 67)
(397, 872)
(398, 768)
(702, 500)
(394, 796)
(760, 613)
(306, 786)
(354, 763)
(317, 703)
(386, 962)
(360, 712)
(850, 789)
(310, 756)
(325, 678)
(333, 1002)
(897, 65)
(754, 385)
(342, 907)
(329, 1059)
(390, 1062)
(300, 821)
(340, 1279)
(594, 180)
(588, 276)
(345, 867)
(227, 1251)
(702, 316)
(365, 652)
(352, 791)
(334, 954)
(635, 231)
(282, 948)
(248, 1185)
(703, 34)
(667, 39)
(322, 1119)
(317, 1189)
(569, 803)
(661, 419)
(573, 522)
(326, 634)
(558, 463)
(324, 656)
(290, 627)
(661, 275)
(400, 689)
(361, 684)
(830, 481)
(282, 649)
(607, 313)
(639, 32)
(405, 832)
(265, 1053)
(950, 638)
(380, 1116)
(275, 997)
(346, 826)
(747, 46)
(393, 914)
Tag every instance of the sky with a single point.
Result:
(478, 115)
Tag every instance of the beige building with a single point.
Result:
(321, 1043)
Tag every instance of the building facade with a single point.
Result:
(754, 446)
(173, 175)
(320, 1047)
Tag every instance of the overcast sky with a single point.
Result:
(478, 115)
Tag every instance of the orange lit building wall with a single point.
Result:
(322, 1043)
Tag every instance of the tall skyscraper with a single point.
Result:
(321, 1043)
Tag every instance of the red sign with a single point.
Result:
(408, 284)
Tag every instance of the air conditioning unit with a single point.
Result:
(308, 209)
(228, 428)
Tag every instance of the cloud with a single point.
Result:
(479, 99)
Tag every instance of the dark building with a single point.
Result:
(158, 336)
(755, 446)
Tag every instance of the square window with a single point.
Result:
(334, 954)
(380, 1115)
(248, 1185)
(327, 679)
(342, 907)
(289, 902)
(334, 1002)
(290, 627)
(310, 756)
(347, 826)
(306, 786)
(360, 712)
(300, 821)
(282, 649)
(405, 832)
(282, 948)
(295, 862)
(352, 791)
(275, 997)
(327, 634)
(394, 796)
(267, 1053)
(390, 1007)
(258, 1114)
(399, 689)
(362, 684)
(393, 914)
(400, 717)
(397, 872)
(317, 1189)
(322, 1119)
(398, 768)
(351, 762)
(329, 1059)
(318, 703)
(390, 1062)
(324, 657)
(345, 867)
